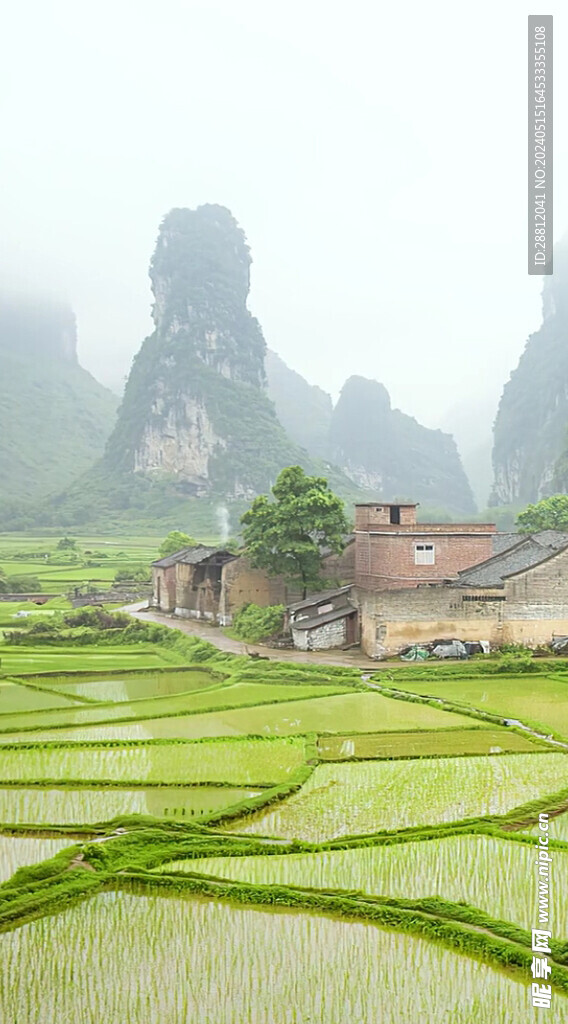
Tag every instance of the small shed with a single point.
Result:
(324, 620)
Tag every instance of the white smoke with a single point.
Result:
(222, 514)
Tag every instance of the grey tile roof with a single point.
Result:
(503, 541)
(169, 560)
(320, 620)
(530, 550)
(319, 598)
(190, 556)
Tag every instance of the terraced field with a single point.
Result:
(348, 799)
(261, 966)
(221, 856)
(541, 699)
(470, 868)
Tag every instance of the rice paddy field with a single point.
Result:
(341, 800)
(440, 867)
(541, 699)
(68, 806)
(173, 961)
(242, 762)
(484, 740)
(21, 851)
(101, 557)
(226, 855)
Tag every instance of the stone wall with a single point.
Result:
(331, 634)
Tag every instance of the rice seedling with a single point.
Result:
(357, 711)
(425, 744)
(190, 703)
(459, 868)
(131, 687)
(144, 960)
(14, 698)
(19, 852)
(347, 799)
(68, 806)
(242, 762)
(542, 700)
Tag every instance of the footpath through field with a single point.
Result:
(215, 635)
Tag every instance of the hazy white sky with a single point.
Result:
(375, 158)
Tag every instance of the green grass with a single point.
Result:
(177, 960)
(458, 868)
(68, 806)
(348, 799)
(540, 699)
(425, 744)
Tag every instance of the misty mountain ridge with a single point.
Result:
(208, 415)
(54, 416)
(381, 449)
(530, 449)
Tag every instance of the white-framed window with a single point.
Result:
(424, 554)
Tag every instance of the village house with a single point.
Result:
(518, 595)
(212, 583)
(393, 550)
(326, 619)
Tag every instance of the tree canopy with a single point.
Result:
(175, 541)
(548, 514)
(286, 535)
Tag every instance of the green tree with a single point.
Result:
(23, 585)
(175, 541)
(285, 536)
(548, 514)
(66, 544)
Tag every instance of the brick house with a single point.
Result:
(324, 620)
(189, 581)
(518, 595)
(211, 583)
(392, 550)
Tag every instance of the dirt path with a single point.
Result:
(216, 636)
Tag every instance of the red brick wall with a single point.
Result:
(387, 560)
(369, 516)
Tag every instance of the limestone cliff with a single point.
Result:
(532, 420)
(195, 409)
(390, 453)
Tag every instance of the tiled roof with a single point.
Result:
(190, 556)
(320, 620)
(169, 560)
(502, 541)
(319, 598)
(530, 550)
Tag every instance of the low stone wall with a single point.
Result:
(321, 638)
